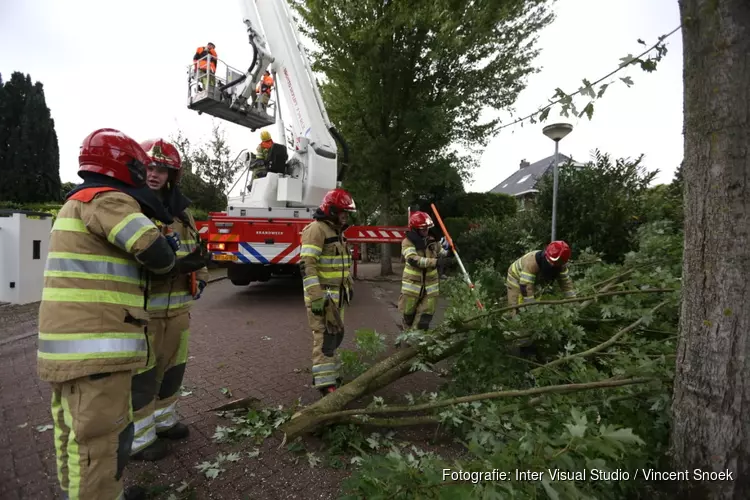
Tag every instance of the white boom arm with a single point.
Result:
(312, 169)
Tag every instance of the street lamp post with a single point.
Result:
(556, 132)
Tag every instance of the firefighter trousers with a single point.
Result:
(325, 369)
(143, 389)
(171, 342)
(156, 387)
(420, 308)
(93, 434)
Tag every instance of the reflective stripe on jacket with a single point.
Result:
(420, 276)
(170, 295)
(325, 262)
(92, 314)
(525, 274)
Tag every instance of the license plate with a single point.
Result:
(224, 257)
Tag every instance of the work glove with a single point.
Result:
(529, 300)
(444, 243)
(201, 285)
(317, 306)
(174, 240)
(190, 263)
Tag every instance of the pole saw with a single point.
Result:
(458, 259)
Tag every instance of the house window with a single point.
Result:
(505, 185)
(36, 250)
(523, 179)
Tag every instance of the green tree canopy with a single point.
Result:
(208, 170)
(598, 205)
(29, 155)
(407, 83)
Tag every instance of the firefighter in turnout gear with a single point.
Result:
(92, 319)
(420, 283)
(325, 262)
(168, 307)
(536, 269)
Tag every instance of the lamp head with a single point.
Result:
(557, 131)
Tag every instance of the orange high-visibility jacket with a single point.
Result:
(202, 52)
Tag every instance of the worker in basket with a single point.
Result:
(205, 71)
(420, 283)
(155, 387)
(325, 262)
(263, 90)
(260, 163)
(92, 318)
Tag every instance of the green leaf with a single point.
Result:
(622, 435)
(627, 81)
(544, 113)
(577, 430)
(587, 90)
(602, 89)
(628, 59)
(588, 111)
(551, 492)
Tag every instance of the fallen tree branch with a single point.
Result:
(607, 343)
(297, 426)
(591, 298)
(391, 422)
(399, 365)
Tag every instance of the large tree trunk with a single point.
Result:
(711, 426)
(386, 261)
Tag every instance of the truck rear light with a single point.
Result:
(216, 246)
(223, 224)
(224, 231)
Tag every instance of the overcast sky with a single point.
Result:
(123, 65)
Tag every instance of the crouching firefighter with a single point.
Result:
(155, 387)
(537, 269)
(325, 262)
(420, 283)
(92, 319)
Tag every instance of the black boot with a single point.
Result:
(135, 493)
(153, 452)
(177, 431)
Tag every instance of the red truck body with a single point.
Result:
(256, 249)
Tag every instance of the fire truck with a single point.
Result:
(258, 236)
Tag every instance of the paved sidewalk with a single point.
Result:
(251, 340)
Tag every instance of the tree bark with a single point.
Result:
(386, 261)
(711, 427)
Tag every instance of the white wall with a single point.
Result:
(17, 263)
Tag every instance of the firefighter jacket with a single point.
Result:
(325, 262)
(92, 317)
(171, 295)
(261, 152)
(533, 269)
(420, 275)
(201, 59)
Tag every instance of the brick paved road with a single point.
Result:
(252, 340)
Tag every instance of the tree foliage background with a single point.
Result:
(407, 83)
(29, 154)
(209, 168)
